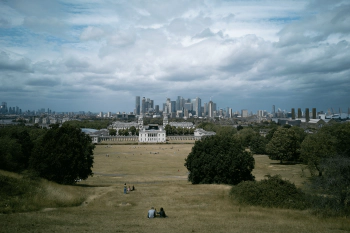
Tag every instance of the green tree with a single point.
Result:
(168, 129)
(112, 132)
(63, 155)
(258, 144)
(133, 130)
(284, 145)
(219, 159)
(316, 147)
(226, 130)
(246, 135)
(333, 186)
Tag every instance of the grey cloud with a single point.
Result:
(4, 23)
(17, 65)
(208, 33)
(317, 28)
(43, 82)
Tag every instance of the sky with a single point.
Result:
(98, 55)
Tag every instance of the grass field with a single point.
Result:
(160, 179)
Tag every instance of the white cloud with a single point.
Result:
(243, 51)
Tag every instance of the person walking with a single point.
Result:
(125, 188)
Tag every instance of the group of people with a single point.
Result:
(128, 189)
(152, 213)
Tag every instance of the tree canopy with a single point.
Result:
(63, 155)
(284, 145)
(219, 159)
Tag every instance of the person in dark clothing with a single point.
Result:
(162, 213)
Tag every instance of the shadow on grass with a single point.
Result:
(286, 163)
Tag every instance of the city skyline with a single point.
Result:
(98, 55)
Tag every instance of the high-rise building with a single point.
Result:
(244, 113)
(137, 105)
(210, 109)
(198, 107)
(205, 109)
(178, 103)
(314, 113)
(300, 115)
(173, 106)
(273, 110)
(307, 115)
(293, 114)
(143, 106)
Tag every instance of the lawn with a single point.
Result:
(160, 178)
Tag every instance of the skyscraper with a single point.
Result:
(307, 115)
(293, 114)
(313, 113)
(299, 113)
(137, 105)
(143, 107)
(210, 109)
(198, 107)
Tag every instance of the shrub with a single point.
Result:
(270, 192)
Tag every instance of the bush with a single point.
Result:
(270, 192)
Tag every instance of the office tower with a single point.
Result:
(293, 114)
(205, 109)
(300, 115)
(307, 115)
(273, 110)
(210, 109)
(188, 107)
(198, 107)
(143, 106)
(173, 106)
(230, 115)
(178, 102)
(214, 107)
(314, 113)
(244, 113)
(137, 105)
(260, 113)
(157, 109)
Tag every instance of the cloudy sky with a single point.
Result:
(97, 55)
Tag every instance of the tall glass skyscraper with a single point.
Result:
(137, 105)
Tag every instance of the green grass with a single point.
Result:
(161, 181)
(21, 194)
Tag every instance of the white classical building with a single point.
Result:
(152, 134)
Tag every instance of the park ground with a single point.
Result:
(160, 178)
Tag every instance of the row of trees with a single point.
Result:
(60, 154)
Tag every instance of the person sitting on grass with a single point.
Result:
(151, 213)
(162, 213)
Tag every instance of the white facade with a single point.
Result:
(153, 134)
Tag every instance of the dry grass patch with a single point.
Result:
(160, 181)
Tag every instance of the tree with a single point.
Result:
(168, 129)
(334, 184)
(316, 147)
(284, 145)
(133, 130)
(226, 130)
(258, 144)
(246, 135)
(219, 159)
(113, 132)
(63, 155)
